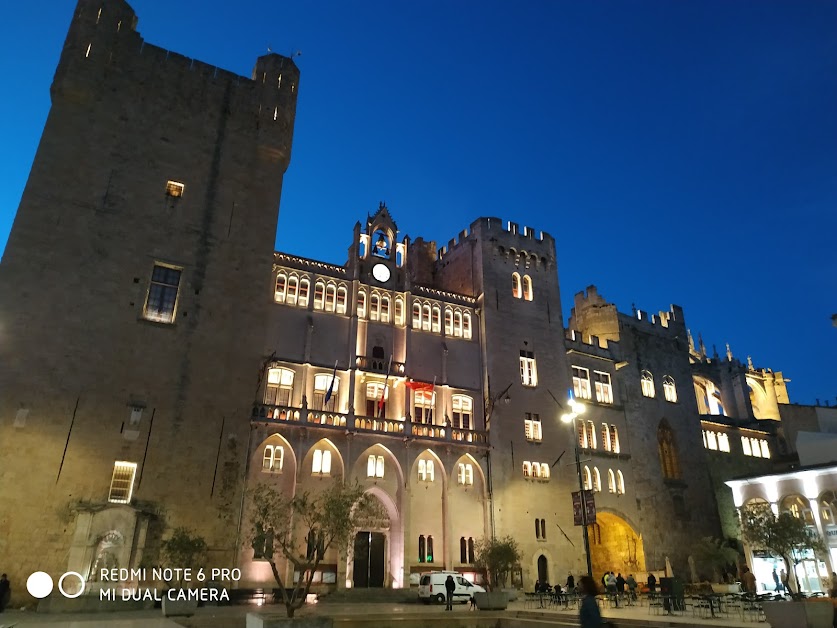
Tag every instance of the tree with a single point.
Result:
(184, 550)
(497, 557)
(713, 555)
(782, 535)
(302, 528)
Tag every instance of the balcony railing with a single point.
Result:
(367, 424)
(379, 365)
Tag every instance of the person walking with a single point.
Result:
(589, 613)
(776, 581)
(652, 583)
(570, 582)
(783, 576)
(611, 589)
(5, 591)
(631, 582)
(450, 587)
(748, 580)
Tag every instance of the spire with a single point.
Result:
(691, 340)
(750, 363)
(702, 346)
(729, 353)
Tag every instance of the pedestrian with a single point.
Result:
(589, 613)
(833, 592)
(783, 576)
(611, 588)
(570, 582)
(748, 580)
(5, 591)
(652, 583)
(776, 581)
(620, 584)
(631, 582)
(450, 587)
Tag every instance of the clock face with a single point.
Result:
(380, 272)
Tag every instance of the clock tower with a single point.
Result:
(379, 260)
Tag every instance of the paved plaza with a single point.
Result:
(234, 617)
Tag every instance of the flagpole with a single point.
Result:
(384, 391)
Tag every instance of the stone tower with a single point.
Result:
(133, 299)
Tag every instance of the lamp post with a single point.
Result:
(576, 409)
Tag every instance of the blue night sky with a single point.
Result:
(679, 152)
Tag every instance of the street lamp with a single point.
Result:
(576, 409)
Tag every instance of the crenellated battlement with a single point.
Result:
(601, 347)
(668, 319)
(104, 53)
(510, 238)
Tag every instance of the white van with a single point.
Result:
(432, 587)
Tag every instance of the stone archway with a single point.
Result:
(615, 546)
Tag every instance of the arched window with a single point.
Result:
(280, 386)
(304, 287)
(321, 463)
(466, 474)
(416, 316)
(647, 383)
(330, 297)
(669, 390)
(374, 307)
(341, 300)
(669, 461)
(543, 529)
(591, 435)
(323, 383)
(588, 479)
(293, 288)
(448, 322)
(422, 549)
(430, 548)
(527, 287)
(457, 324)
(463, 550)
(319, 295)
(361, 304)
(384, 309)
(437, 315)
(611, 481)
(527, 469)
(537, 528)
(463, 408)
(620, 482)
(470, 549)
(375, 466)
(597, 480)
(516, 291)
(425, 317)
(399, 311)
(281, 288)
(544, 470)
(536, 470)
(466, 325)
(427, 471)
(273, 457)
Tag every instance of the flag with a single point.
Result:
(331, 386)
(384, 390)
(414, 385)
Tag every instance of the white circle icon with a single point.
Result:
(39, 584)
(67, 594)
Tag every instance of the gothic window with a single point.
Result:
(448, 322)
(341, 300)
(122, 482)
(470, 549)
(466, 326)
(304, 287)
(527, 287)
(375, 466)
(281, 288)
(381, 246)
(161, 302)
(416, 316)
(591, 435)
(330, 297)
(426, 470)
(422, 549)
(322, 384)
(537, 528)
(581, 382)
(384, 309)
(319, 295)
(597, 480)
(544, 470)
(437, 313)
(399, 311)
(463, 550)
(543, 529)
(374, 307)
(423, 406)
(457, 324)
(669, 461)
(321, 463)
(273, 458)
(647, 383)
(611, 481)
(465, 476)
(669, 389)
(280, 386)
(528, 369)
(610, 438)
(527, 469)
(620, 482)
(588, 479)
(430, 548)
(604, 391)
(425, 317)
(361, 304)
(463, 407)
(293, 289)
(516, 290)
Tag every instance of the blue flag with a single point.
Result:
(331, 386)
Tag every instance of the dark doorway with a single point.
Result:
(369, 560)
(543, 571)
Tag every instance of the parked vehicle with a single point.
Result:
(432, 587)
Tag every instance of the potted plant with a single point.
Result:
(784, 535)
(300, 530)
(183, 550)
(496, 558)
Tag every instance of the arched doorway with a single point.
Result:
(615, 546)
(375, 557)
(543, 569)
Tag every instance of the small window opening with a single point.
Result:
(89, 46)
(99, 16)
(175, 189)
(275, 112)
